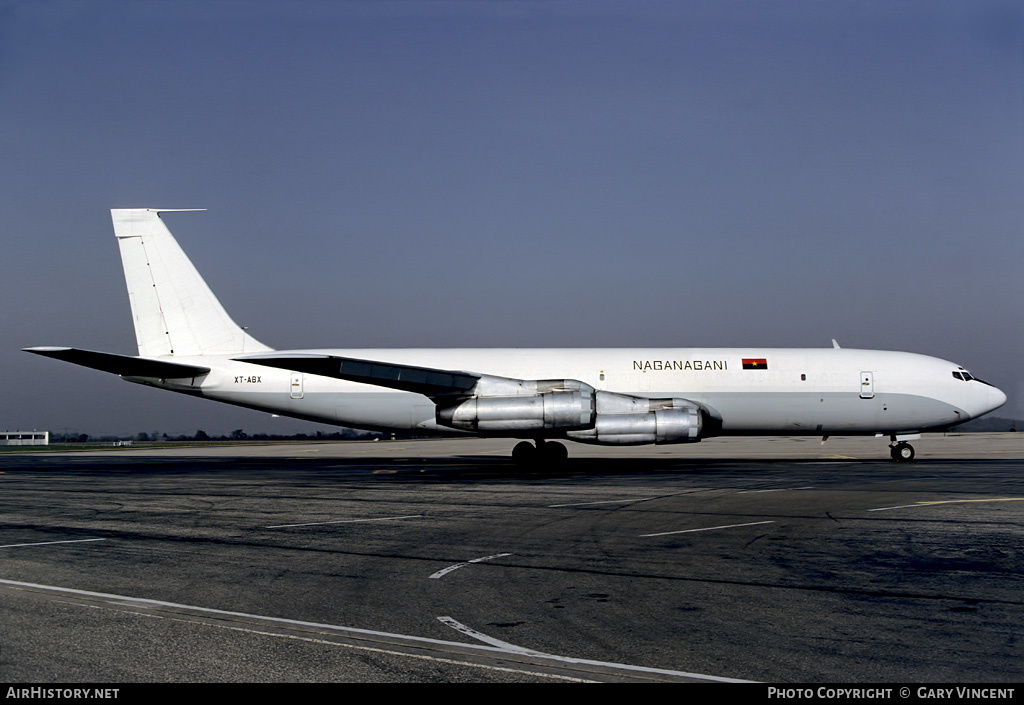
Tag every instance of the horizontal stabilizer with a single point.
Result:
(123, 365)
(422, 380)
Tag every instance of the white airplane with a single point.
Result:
(189, 344)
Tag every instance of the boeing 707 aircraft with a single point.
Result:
(188, 343)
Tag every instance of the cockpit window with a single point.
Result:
(968, 377)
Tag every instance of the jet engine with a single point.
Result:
(538, 412)
(570, 409)
(662, 421)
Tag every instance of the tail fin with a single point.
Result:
(174, 310)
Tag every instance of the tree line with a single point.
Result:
(342, 434)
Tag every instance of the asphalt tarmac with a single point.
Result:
(769, 560)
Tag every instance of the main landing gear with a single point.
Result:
(544, 452)
(901, 452)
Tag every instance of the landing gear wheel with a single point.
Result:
(902, 452)
(552, 451)
(524, 452)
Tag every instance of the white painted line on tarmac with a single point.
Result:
(503, 645)
(49, 543)
(918, 505)
(778, 489)
(356, 632)
(901, 506)
(709, 528)
(449, 569)
(972, 501)
(344, 521)
(609, 501)
(511, 648)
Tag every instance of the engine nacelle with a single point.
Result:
(551, 410)
(565, 409)
(573, 410)
(677, 421)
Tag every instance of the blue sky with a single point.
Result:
(523, 174)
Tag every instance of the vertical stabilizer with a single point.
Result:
(174, 310)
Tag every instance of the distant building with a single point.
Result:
(24, 438)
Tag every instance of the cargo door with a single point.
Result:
(296, 385)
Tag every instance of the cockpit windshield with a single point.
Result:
(966, 376)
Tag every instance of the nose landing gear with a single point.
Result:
(901, 452)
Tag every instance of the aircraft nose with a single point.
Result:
(983, 398)
(996, 398)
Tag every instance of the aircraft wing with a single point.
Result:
(422, 380)
(124, 365)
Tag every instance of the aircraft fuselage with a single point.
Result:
(825, 391)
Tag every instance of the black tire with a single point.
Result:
(902, 452)
(553, 452)
(524, 452)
